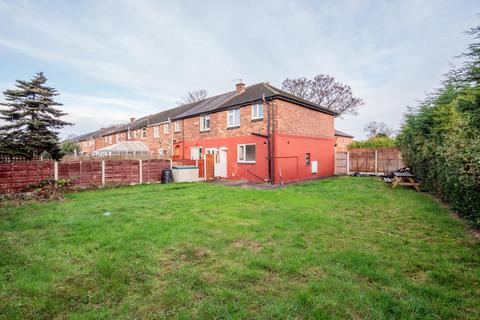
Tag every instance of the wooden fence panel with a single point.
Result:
(18, 175)
(377, 161)
(341, 163)
(152, 169)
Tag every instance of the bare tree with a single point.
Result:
(192, 96)
(376, 129)
(325, 91)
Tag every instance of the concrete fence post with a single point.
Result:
(103, 172)
(348, 163)
(376, 161)
(55, 171)
(140, 171)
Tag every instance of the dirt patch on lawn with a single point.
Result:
(251, 245)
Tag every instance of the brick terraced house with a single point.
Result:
(257, 133)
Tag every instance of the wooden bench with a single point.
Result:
(404, 179)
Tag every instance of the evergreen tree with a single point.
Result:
(32, 118)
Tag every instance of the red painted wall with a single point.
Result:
(290, 163)
(289, 151)
(236, 170)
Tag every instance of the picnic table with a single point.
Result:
(404, 179)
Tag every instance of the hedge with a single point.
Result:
(440, 140)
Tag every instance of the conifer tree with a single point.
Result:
(32, 118)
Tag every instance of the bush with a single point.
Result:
(440, 141)
(373, 143)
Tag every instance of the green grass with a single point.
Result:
(337, 248)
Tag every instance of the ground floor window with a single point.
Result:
(246, 153)
(196, 153)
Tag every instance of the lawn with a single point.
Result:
(336, 248)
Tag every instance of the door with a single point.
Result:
(223, 162)
(220, 168)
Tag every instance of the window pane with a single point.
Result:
(250, 152)
(241, 153)
(237, 117)
(260, 111)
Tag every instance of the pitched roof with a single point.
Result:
(342, 134)
(251, 94)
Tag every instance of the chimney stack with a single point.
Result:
(240, 87)
(132, 119)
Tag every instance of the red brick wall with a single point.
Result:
(342, 143)
(219, 128)
(298, 120)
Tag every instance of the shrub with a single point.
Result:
(373, 143)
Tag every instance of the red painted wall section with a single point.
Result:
(235, 170)
(290, 157)
(290, 151)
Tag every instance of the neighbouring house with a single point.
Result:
(342, 140)
(257, 133)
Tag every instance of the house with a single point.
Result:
(342, 140)
(257, 133)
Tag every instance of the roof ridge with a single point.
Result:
(270, 87)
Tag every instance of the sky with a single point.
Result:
(112, 60)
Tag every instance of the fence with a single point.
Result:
(15, 176)
(376, 161)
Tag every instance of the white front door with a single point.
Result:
(220, 168)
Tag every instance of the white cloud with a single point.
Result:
(150, 53)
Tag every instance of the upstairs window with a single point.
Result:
(257, 111)
(246, 153)
(233, 118)
(166, 128)
(156, 132)
(178, 126)
(205, 123)
(105, 139)
(144, 133)
(117, 138)
(129, 135)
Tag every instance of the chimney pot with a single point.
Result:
(240, 87)
(132, 119)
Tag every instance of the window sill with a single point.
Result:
(204, 131)
(257, 119)
(246, 162)
(233, 127)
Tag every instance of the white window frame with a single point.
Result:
(255, 111)
(142, 135)
(178, 126)
(110, 139)
(117, 137)
(129, 135)
(156, 132)
(196, 153)
(203, 122)
(244, 150)
(233, 112)
(166, 128)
